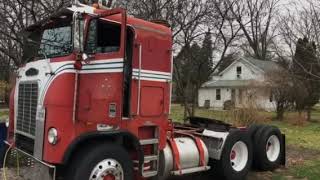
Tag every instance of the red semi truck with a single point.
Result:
(93, 102)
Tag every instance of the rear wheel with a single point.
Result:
(253, 129)
(104, 162)
(239, 156)
(268, 148)
(236, 158)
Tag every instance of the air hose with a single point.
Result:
(4, 163)
(4, 170)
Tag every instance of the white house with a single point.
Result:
(241, 84)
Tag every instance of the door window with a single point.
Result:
(103, 37)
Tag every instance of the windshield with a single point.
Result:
(56, 42)
(54, 39)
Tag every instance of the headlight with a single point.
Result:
(53, 136)
(7, 123)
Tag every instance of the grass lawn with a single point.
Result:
(3, 114)
(306, 138)
(303, 140)
(310, 170)
(177, 114)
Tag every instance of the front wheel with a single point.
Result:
(103, 162)
(236, 158)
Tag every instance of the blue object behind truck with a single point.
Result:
(3, 136)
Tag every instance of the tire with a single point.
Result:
(253, 129)
(225, 168)
(268, 148)
(88, 164)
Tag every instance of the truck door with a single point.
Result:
(101, 77)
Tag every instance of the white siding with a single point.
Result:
(262, 101)
(210, 94)
(248, 72)
(206, 94)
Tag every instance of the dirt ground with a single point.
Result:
(295, 156)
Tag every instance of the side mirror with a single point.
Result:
(78, 28)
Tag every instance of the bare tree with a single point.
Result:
(189, 28)
(283, 87)
(227, 31)
(256, 19)
(15, 16)
(303, 22)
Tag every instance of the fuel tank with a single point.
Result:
(188, 153)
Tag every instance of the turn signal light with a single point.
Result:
(78, 65)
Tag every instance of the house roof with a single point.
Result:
(265, 66)
(227, 83)
(261, 65)
(258, 65)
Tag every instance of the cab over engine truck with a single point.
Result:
(93, 103)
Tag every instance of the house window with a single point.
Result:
(239, 71)
(218, 94)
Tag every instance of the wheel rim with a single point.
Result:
(108, 169)
(273, 148)
(239, 156)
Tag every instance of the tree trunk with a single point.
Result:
(6, 96)
(280, 112)
(187, 111)
(194, 100)
(184, 112)
(280, 115)
(309, 114)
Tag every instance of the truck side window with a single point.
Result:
(91, 39)
(103, 37)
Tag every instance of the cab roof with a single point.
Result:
(131, 21)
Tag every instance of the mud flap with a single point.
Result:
(283, 153)
(31, 168)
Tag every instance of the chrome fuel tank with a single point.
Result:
(188, 153)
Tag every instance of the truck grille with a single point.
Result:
(27, 108)
(25, 143)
